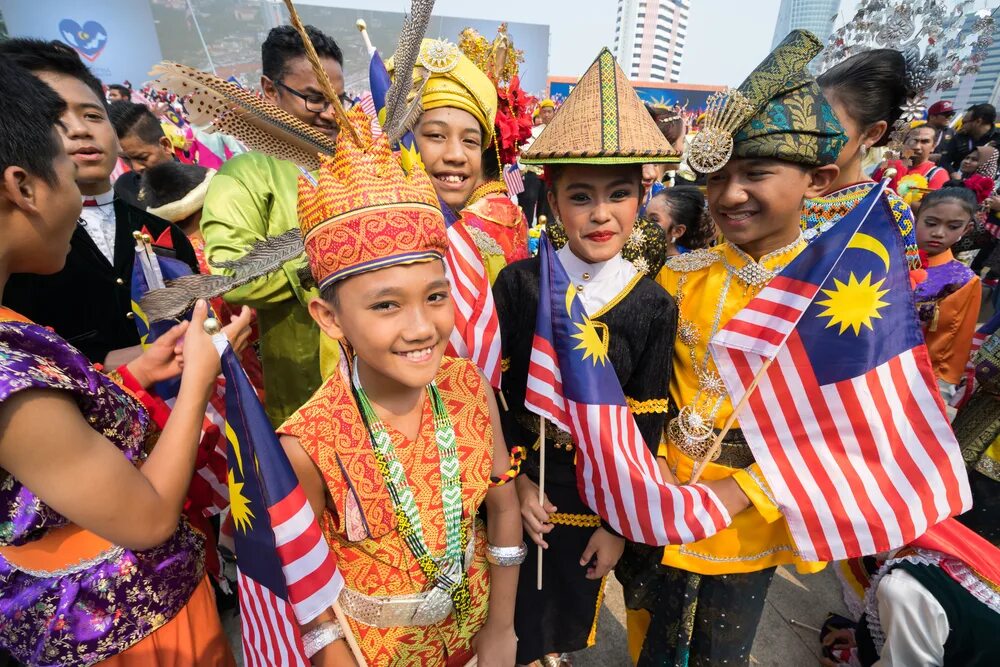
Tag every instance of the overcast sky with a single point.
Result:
(726, 38)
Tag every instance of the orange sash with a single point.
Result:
(60, 548)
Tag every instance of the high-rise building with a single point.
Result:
(650, 36)
(816, 16)
(984, 85)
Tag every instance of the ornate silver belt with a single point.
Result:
(391, 611)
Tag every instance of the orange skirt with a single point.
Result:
(193, 637)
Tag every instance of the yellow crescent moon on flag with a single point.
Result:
(871, 244)
(570, 293)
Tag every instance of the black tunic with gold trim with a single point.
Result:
(641, 321)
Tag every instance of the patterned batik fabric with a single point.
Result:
(499, 230)
(819, 215)
(360, 524)
(95, 609)
(792, 120)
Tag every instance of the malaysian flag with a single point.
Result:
(513, 179)
(968, 387)
(286, 573)
(572, 383)
(367, 103)
(379, 82)
(209, 492)
(846, 421)
(476, 335)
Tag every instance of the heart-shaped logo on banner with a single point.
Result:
(88, 40)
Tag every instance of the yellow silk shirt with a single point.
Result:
(759, 537)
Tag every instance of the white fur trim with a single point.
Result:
(188, 205)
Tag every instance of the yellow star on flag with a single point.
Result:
(854, 304)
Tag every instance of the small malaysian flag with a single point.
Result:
(572, 383)
(968, 387)
(843, 413)
(513, 179)
(476, 335)
(367, 103)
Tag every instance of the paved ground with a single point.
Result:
(779, 643)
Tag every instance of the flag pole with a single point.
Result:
(349, 636)
(541, 488)
(717, 442)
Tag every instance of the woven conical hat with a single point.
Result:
(602, 122)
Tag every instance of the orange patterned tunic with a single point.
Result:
(359, 522)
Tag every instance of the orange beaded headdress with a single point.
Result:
(364, 212)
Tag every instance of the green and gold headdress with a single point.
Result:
(601, 122)
(779, 113)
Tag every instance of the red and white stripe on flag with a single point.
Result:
(314, 582)
(964, 392)
(763, 324)
(368, 106)
(270, 632)
(476, 335)
(513, 179)
(617, 475)
(859, 466)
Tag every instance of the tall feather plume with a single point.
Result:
(180, 295)
(410, 39)
(321, 77)
(226, 107)
(398, 127)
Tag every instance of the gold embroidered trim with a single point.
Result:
(484, 242)
(621, 295)
(575, 520)
(592, 637)
(735, 559)
(505, 364)
(496, 187)
(696, 260)
(762, 484)
(647, 407)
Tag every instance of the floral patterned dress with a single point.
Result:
(88, 610)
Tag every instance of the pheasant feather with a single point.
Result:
(410, 39)
(227, 108)
(179, 295)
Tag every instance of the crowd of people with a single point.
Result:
(457, 515)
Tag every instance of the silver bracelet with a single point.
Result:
(506, 556)
(321, 636)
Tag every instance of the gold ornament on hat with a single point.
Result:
(438, 56)
(711, 148)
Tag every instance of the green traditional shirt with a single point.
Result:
(251, 198)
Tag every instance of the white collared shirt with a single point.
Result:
(99, 221)
(597, 284)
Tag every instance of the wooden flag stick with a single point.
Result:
(717, 443)
(541, 489)
(352, 641)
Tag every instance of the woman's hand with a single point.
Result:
(162, 360)
(495, 646)
(607, 548)
(201, 361)
(240, 339)
(993, 203)
(534, 517)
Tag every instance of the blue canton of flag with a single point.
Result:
(842, 409)
(287, 574)
(572, 383)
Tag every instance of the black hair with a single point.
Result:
(131, 118)
(871, 86)
(491, 162)
(687, 207)
(36, 55)
(124, 90)
(30, 110)
(284, 43)
(983, 112)
(669, 122)
(169, 182)
(965, 197)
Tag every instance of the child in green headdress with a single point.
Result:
(765, 147)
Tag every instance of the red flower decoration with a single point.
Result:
(981, 186)
(513, 120)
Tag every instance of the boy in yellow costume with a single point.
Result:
(397, 449)
(707, 601)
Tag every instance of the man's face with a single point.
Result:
(939, 120)
(546, 114)
(299, 77)
(142, 155)
(920, 141)
(115, 95)
(89, 136)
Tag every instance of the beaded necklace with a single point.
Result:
(447, 574)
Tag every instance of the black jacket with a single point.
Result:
(961, 145)
(89, 302)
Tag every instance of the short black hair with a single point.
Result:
(965, 197)
(131, 118)
(983, 112)
(124, 90)
(872, 87)
(37, 55)
(284, 43)
(30, 110)
(169, 182)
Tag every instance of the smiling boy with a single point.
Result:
(89, 302)
(786, 139)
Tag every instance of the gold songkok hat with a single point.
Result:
(602, 121)
(452, 80)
